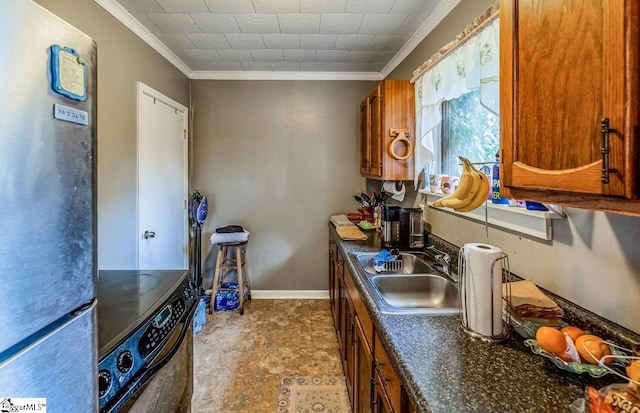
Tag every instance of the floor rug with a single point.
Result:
(313, 395)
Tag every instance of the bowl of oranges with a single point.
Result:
(572, 349)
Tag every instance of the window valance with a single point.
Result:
(470, 62)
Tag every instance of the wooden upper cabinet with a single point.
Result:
(565, 67)
(388, 107)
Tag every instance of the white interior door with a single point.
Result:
(162, 182)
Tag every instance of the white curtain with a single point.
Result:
(471, 65)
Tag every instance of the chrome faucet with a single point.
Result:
(442, 258)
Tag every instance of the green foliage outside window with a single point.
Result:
(468, 129)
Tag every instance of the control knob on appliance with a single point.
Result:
(188, 293)
(125, 362)
(104, 383)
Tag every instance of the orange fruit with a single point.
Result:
(551, 340)
(592, 348)
(572, 332)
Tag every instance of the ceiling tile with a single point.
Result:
(331, 55)
(410, 25)
(299, 55)
(363, 56)
(228, 66)
(355, 67)
(174, 22)
(257, 66)
(148, 23)
(314, 66)
(317, 41)
(322, 7)
(209, 41)
(340, 23)
(354, 41)
(176, 41)
(277, 6)
(216, 23)
(144, 6)
(388, 42)
(230, 55)
(385, 57)
(230, 6)
(245, 41)
(299, 23)
(282, 41)
(258, 23)
(285, 66)
(201, 65)
(267, 55)
(368, 6)
(409, 7)
(184, 6)
(203, 54)
(381, 23)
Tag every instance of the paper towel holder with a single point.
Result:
(507, 278)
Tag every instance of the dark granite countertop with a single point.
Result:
(445, 370)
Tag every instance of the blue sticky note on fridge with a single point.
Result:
(68, 73)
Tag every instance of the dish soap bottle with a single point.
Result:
(495, 183)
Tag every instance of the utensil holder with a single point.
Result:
(507, 278)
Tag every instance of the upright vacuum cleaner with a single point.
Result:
(197, 216)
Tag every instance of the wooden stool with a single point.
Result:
(238, 261)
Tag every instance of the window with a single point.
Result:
(467, 129)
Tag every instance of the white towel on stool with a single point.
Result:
(221, 238)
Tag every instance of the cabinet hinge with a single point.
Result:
(606, 130)
(184, 133)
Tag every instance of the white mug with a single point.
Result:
(435, 182)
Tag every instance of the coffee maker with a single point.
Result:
(411, 229)
(390, 226)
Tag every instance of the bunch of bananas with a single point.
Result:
(471, 192)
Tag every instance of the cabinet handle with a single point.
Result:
(606, 130)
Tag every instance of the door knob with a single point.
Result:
(149, 234)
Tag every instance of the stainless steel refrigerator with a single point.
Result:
(48, 268)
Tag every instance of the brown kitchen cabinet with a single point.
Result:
(384, 153)
(566, 69)
(372, 383)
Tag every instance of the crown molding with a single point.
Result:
(124, 17)
(288, 75)
(434, 19)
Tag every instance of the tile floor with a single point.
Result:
(240, 360)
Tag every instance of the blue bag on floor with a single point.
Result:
(227, 300)
(199, 317)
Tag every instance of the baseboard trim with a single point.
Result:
(290, 294)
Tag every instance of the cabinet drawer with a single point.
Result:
(387, 375)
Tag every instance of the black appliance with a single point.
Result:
(198, 209)
(145, 340)
(411, 229)
(390, 226)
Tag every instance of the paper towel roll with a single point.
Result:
(480, 305)
(390, 187)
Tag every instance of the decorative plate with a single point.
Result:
(575, 367)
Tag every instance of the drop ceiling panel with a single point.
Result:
(284, 35)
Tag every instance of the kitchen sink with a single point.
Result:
(407, 263)
(415, 287)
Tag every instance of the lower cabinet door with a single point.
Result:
(363, 365)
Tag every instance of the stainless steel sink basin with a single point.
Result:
(418, 287)
(407, 263)
(421, 291)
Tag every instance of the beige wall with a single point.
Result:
(593, 259)
(279, 158)
(123, 59)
